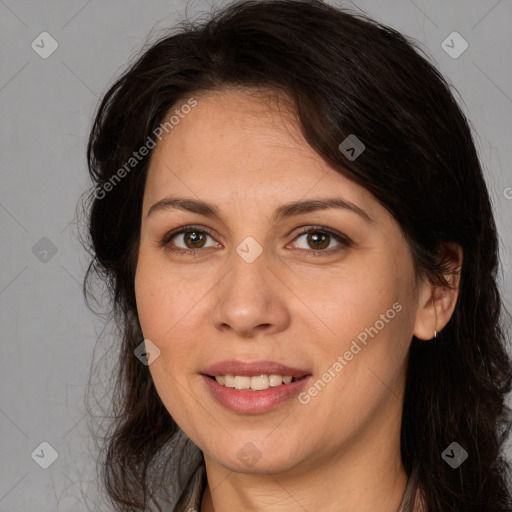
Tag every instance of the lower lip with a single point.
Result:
(254, 402)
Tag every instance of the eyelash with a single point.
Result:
(342, 239)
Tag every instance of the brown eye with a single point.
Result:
(194, 239)
(187, 240)
(318, 240)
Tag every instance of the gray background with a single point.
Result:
(48, 335)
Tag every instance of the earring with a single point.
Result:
(435, 311)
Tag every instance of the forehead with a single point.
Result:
(243, 142)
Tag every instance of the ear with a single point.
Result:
(436, 303)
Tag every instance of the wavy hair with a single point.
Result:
(345, 74)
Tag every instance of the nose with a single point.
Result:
(252, 299)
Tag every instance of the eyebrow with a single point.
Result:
(282, 212)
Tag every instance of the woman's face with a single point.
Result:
(271, 284)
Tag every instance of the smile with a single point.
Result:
(253, 387)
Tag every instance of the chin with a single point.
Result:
(249, 459)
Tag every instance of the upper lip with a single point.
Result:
(249, 369)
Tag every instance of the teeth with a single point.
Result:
(275, 380)
(260, 382)
(256, 383)
(242, 382)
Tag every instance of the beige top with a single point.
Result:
(412, 500)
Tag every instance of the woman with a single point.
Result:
(291, 216)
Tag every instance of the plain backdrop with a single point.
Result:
(48, 335)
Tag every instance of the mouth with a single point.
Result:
(253, 388)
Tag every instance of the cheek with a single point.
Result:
(160, 306)
(371, 316)
(169, 307)
(155, 298)
(354, 298)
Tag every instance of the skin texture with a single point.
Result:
(243, 152)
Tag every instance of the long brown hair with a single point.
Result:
(345, 74)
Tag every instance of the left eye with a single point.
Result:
(321, 240)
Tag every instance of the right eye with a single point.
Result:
(193, 239)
